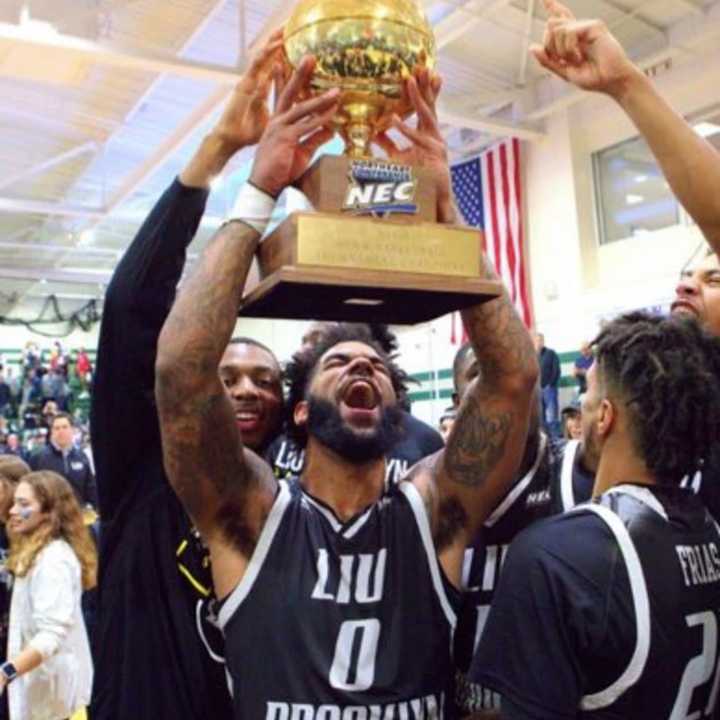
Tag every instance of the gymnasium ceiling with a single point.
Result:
(104, 100)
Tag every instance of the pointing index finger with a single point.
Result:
(556, 9)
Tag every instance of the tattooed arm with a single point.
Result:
(203, 456)
(487, 442)
(225, 488)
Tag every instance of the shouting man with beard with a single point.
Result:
(350, 591)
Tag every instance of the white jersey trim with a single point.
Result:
(566, 475)
(643, 495)
(198, 622)
(353, 529)
(242, 589)
(420, 512)
(641, 604)
(519, 488)
(350, 531)
(335, 524)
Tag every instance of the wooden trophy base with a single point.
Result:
(320, 293)
(335, 265)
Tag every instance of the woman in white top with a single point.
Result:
(53, 558)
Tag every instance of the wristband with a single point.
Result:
(9, 671)
(253, 207)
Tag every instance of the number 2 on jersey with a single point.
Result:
(699, 670)
(353, 667)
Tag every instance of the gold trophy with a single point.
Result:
(373, 250)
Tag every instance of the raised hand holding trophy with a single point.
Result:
(374, 249)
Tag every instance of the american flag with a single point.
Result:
(487, 189)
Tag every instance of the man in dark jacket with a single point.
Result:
(62, 456)
(549, 382)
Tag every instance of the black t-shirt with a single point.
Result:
(151, 658)
(418, 441)
(608, 611)
(341, 619)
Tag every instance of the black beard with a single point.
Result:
(326, 425)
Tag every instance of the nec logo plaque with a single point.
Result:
(380, 189)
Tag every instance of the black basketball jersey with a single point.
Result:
(336, 621)
(609, 611)
(530, 499)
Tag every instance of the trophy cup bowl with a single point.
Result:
(367, 48)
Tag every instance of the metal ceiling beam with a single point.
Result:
(634, 14)
(488, 125)
(464, 18)
(41, 167)
(46, 247)
(692, 7)
(58, 276)
(57, 126)
(114, 55)
(38, 207)
(24, 206)
(15, 235)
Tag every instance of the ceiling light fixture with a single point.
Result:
(706, 129)
(35, 28)
(633, 199)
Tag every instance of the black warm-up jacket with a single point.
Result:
(150, 661)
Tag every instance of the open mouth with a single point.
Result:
(247, 419)
(683, 306)
(361, 395)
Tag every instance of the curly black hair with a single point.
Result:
(299, 370)
(667, 373)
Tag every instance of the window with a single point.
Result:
(632, 196)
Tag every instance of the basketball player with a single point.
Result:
(151, 659)
(553, 476)
(611, 610)
(348, 591)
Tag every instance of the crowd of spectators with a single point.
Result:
(46, 471)
(45, 382)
